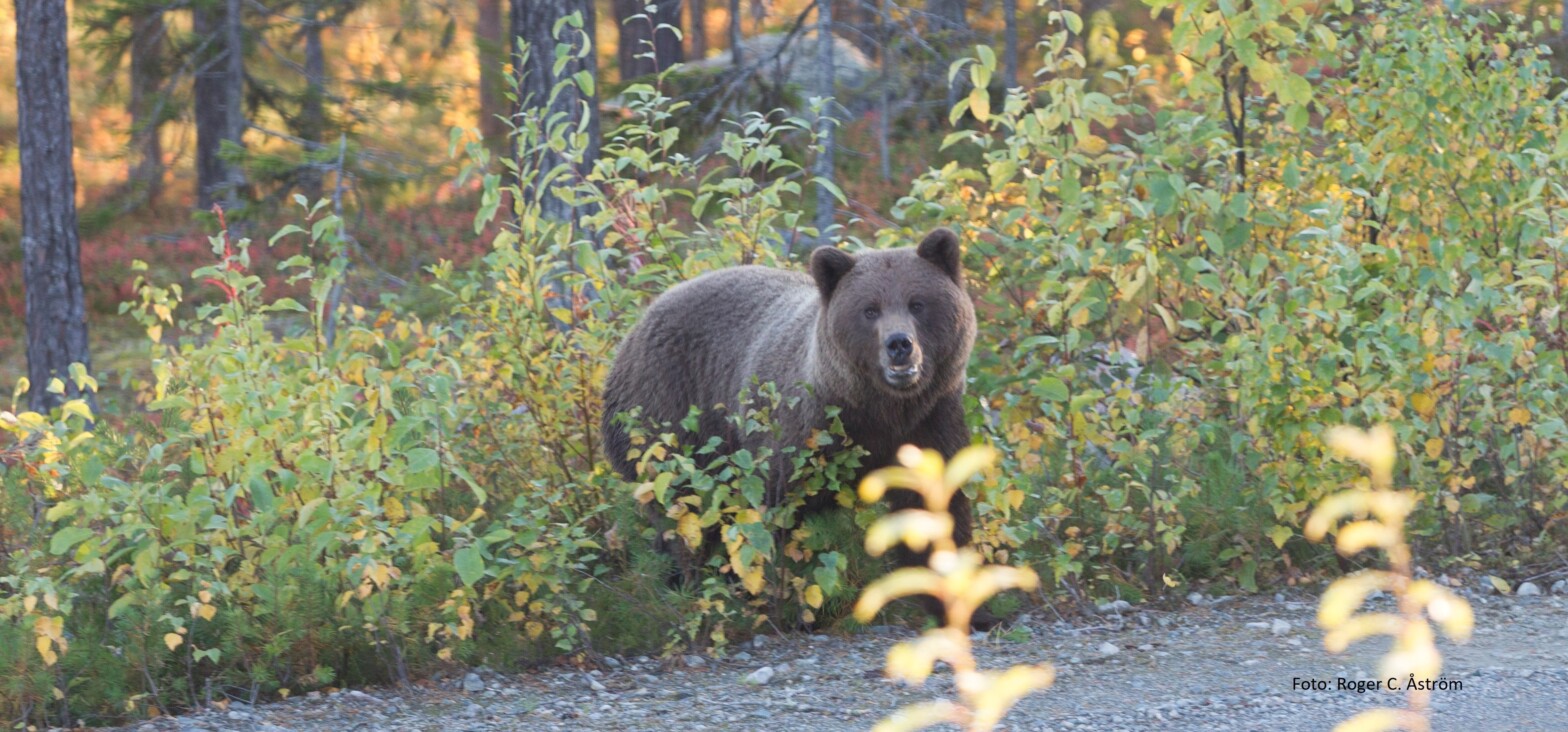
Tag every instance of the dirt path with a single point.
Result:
(1223, 666)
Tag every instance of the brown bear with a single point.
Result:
(883, 335)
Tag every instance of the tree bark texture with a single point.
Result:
(51, 251)
(492, 90)
(148, 35)
(641, 33)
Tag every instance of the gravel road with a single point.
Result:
(1218, 665)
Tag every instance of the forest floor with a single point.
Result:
(1220, 664)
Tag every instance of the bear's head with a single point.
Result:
(897, 321)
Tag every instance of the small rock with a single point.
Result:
(1114, 608)
(742, 656)
(612, 662)
(239, 716)
(472, 683)
(1528, 589)
(695, 661)
(760, 677)
(1279, 627)
(594, 684)
(1560, 587)
(1108, 649)
(759, 641)
(1195, 598)
(1146, 647)
(1260, 625)
(473, 710)
(819, 638)
(1279, 597)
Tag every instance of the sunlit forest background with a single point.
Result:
(353, 287)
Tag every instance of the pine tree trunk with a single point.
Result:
(234, 85)
(218, 91)
(737, 39)
(146, 106)
(491, 84)
(1009, 43)
(697, 29)
(533, 21)
(211, 120)
(822, 168)
(312, 121)
(639, 37)
(51, 252)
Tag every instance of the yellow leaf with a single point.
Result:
(980, 103)
(1424, 404)
(206, 611)
(172, 640)
(29, 602)
(689, 527)
(1092, 144)
(1434, 447)
(814, 596)
(1280, 535)
(46, 650)
(1377, 720)
(1519, 416)
(1499, 584)
(1373, 448)
(534, 628)
(920, 716)
(1168, 581)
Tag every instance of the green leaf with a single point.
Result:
(470, 564)
(1052, 389)
(70, 536)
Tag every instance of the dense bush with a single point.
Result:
(1342, 219)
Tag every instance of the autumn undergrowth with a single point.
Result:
(309, 488)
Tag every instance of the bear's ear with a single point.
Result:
(828, 266)
(940, 247)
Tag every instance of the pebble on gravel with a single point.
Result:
(1560, 587)
(1109, 649)
(472, 683)
(695, 661)
(1528, 589)
(1114, 608)
(760, 677)
(1279, 627)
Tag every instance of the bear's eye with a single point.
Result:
(916, 307)
(872, 313)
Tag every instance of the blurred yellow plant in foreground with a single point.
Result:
(1413, 664)
(958, 578)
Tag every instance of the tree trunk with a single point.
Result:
(146, 107)
(641, 34)
(51, 252)
(532, 22)
(822, 168)
(492, 91)
(312, 123)
(884, 89)
(1009, 43)
(697, 28)
(737, 39)
(219, 84)
(234, 85)
(211, 121)
(948, 25)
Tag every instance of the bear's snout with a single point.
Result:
(900, 359)
(900, 349)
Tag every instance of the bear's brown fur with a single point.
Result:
(883, 335)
